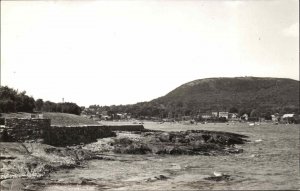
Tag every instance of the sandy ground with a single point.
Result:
(269, 161)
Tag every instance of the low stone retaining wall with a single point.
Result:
(20, 130)
(73, 135)
(24, 130)
(126, 127)
(61, 136)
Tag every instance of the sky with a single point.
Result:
(124, 52)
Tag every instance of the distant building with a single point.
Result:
(288, 118)
(187, 117)
(233, 116)
(105, 117)
(245, 117)
(223, 114)
(121, 116)
(274, 118)
(206, 116)
(95, 117)
(214, 114)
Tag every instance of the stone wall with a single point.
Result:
(126, 127)
(62, 136)
(74, 135)
(20, 130)
(40, 130)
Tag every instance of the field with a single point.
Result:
(56, 118)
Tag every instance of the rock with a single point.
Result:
(161, 177)
(33, 160)
(180, 143)
(164, 137)
(222, 177)
(87, 181)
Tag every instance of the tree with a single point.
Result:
(233, 110)
(48, 106)
(255, 113)
(7, 93)
(268, 116)
(7, 105)
(245, 111)
(39, 104)
(24, 103)
(12, 101)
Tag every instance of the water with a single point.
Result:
(272, 163)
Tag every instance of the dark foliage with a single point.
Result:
(14, 101)
(237, 94)
(257, 97)
(39, 104)
(65, 107)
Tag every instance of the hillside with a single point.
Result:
(243, 93)
(56, 118)
(68, 119)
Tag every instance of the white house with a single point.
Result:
(223, 114)
(287, 116)
(245, 117)
(214, 114)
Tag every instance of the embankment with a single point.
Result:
(41, 130)
(74, 135)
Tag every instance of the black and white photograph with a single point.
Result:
(107, 95)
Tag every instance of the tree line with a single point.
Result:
(14, 101)
(179, 109)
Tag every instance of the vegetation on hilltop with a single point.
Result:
(258, 97)
(246, 94)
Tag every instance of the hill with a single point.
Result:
(56, 118)
(242, 93)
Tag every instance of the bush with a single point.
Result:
(13, 101)
(7, 106)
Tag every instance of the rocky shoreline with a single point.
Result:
(192, 142)
(24, 166)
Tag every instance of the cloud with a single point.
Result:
(292, 30)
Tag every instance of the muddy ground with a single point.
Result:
(27, 166)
